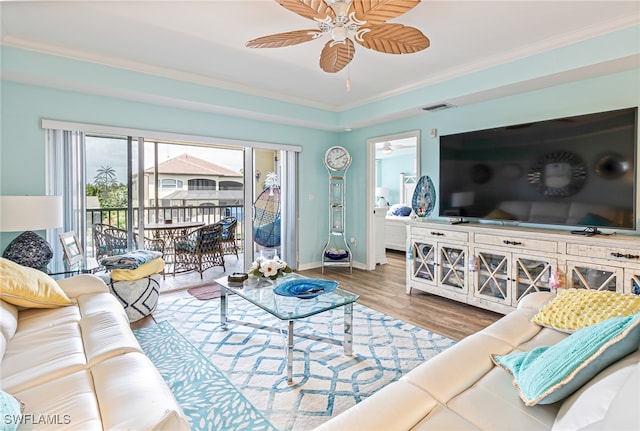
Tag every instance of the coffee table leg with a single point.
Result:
(223, 307)
(348, 330)
(290, 353)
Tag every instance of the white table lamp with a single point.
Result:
(29, 213)
(381, 194)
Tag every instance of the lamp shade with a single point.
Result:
(22, 213)
(382, 192)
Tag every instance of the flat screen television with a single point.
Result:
(573, 171)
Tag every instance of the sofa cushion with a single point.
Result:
(63, 403)
(608, 401)
(148, 404)
(8, 324)
(29, 287)
(33, 358)
(548, 374)
(573, 309)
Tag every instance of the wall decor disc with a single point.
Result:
(558, 174)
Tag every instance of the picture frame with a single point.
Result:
(71, 247)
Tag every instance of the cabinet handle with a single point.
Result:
(437, 233)
(626, 256)
(506, 241)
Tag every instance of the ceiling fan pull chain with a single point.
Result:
(348, 73)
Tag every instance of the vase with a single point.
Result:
(424, 197)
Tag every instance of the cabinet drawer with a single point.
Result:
(439, 234)
(630, 255)
(518, 243)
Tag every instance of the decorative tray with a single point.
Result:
(305, 288)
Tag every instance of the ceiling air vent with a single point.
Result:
(438, 107)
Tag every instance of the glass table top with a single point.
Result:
(259, 291)
(61, 267)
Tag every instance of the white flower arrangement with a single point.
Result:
(272, 268)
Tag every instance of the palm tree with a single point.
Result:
(105, 178)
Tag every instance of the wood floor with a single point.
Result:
(384, 291)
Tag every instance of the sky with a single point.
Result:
(113, 153)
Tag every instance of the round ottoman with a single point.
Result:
(138, 297)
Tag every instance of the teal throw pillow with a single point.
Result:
(11, 410)
(548, 374)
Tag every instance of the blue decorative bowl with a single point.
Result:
(335, 256)
(305, 288)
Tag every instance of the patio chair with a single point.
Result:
(199, 249)
(111, 241)
(228, 239)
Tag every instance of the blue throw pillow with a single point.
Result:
(550, 373)
(11, 410)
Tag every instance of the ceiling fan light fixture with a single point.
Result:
(339, 34)
(340, 7)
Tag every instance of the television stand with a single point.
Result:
(494, 267)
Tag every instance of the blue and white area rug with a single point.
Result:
(209, 400)
(326, 382)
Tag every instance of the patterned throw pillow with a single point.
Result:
(573, 309)
(548, 374)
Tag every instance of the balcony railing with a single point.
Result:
(206, 214)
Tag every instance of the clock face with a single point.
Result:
(337, 159)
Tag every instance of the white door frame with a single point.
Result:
(371, 186)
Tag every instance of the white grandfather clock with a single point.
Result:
(336, 252)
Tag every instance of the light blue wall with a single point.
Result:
(23, 158)
(107, 94)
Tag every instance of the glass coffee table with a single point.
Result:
(259, 292)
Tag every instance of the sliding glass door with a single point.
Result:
(136, 183)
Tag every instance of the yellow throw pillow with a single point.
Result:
(152, 267)
(574, 309)
(29, 287)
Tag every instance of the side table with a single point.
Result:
(61, 269)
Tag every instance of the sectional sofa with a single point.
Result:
(76, 364)
(464, 389)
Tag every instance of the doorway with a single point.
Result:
(393, 167)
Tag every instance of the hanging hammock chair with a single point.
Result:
(266, 214)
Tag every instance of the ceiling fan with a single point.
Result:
(345, 21)
(388, 147)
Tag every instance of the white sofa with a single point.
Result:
(461, 388)
(81, 367)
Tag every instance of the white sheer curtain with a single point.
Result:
(65, 176)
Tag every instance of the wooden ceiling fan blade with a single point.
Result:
(311, 9)
(393, 38)
(379, 11)
(335, 56)
(284, 39)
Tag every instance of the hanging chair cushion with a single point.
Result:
(268, 235)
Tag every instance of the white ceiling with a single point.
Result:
(203, 41)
